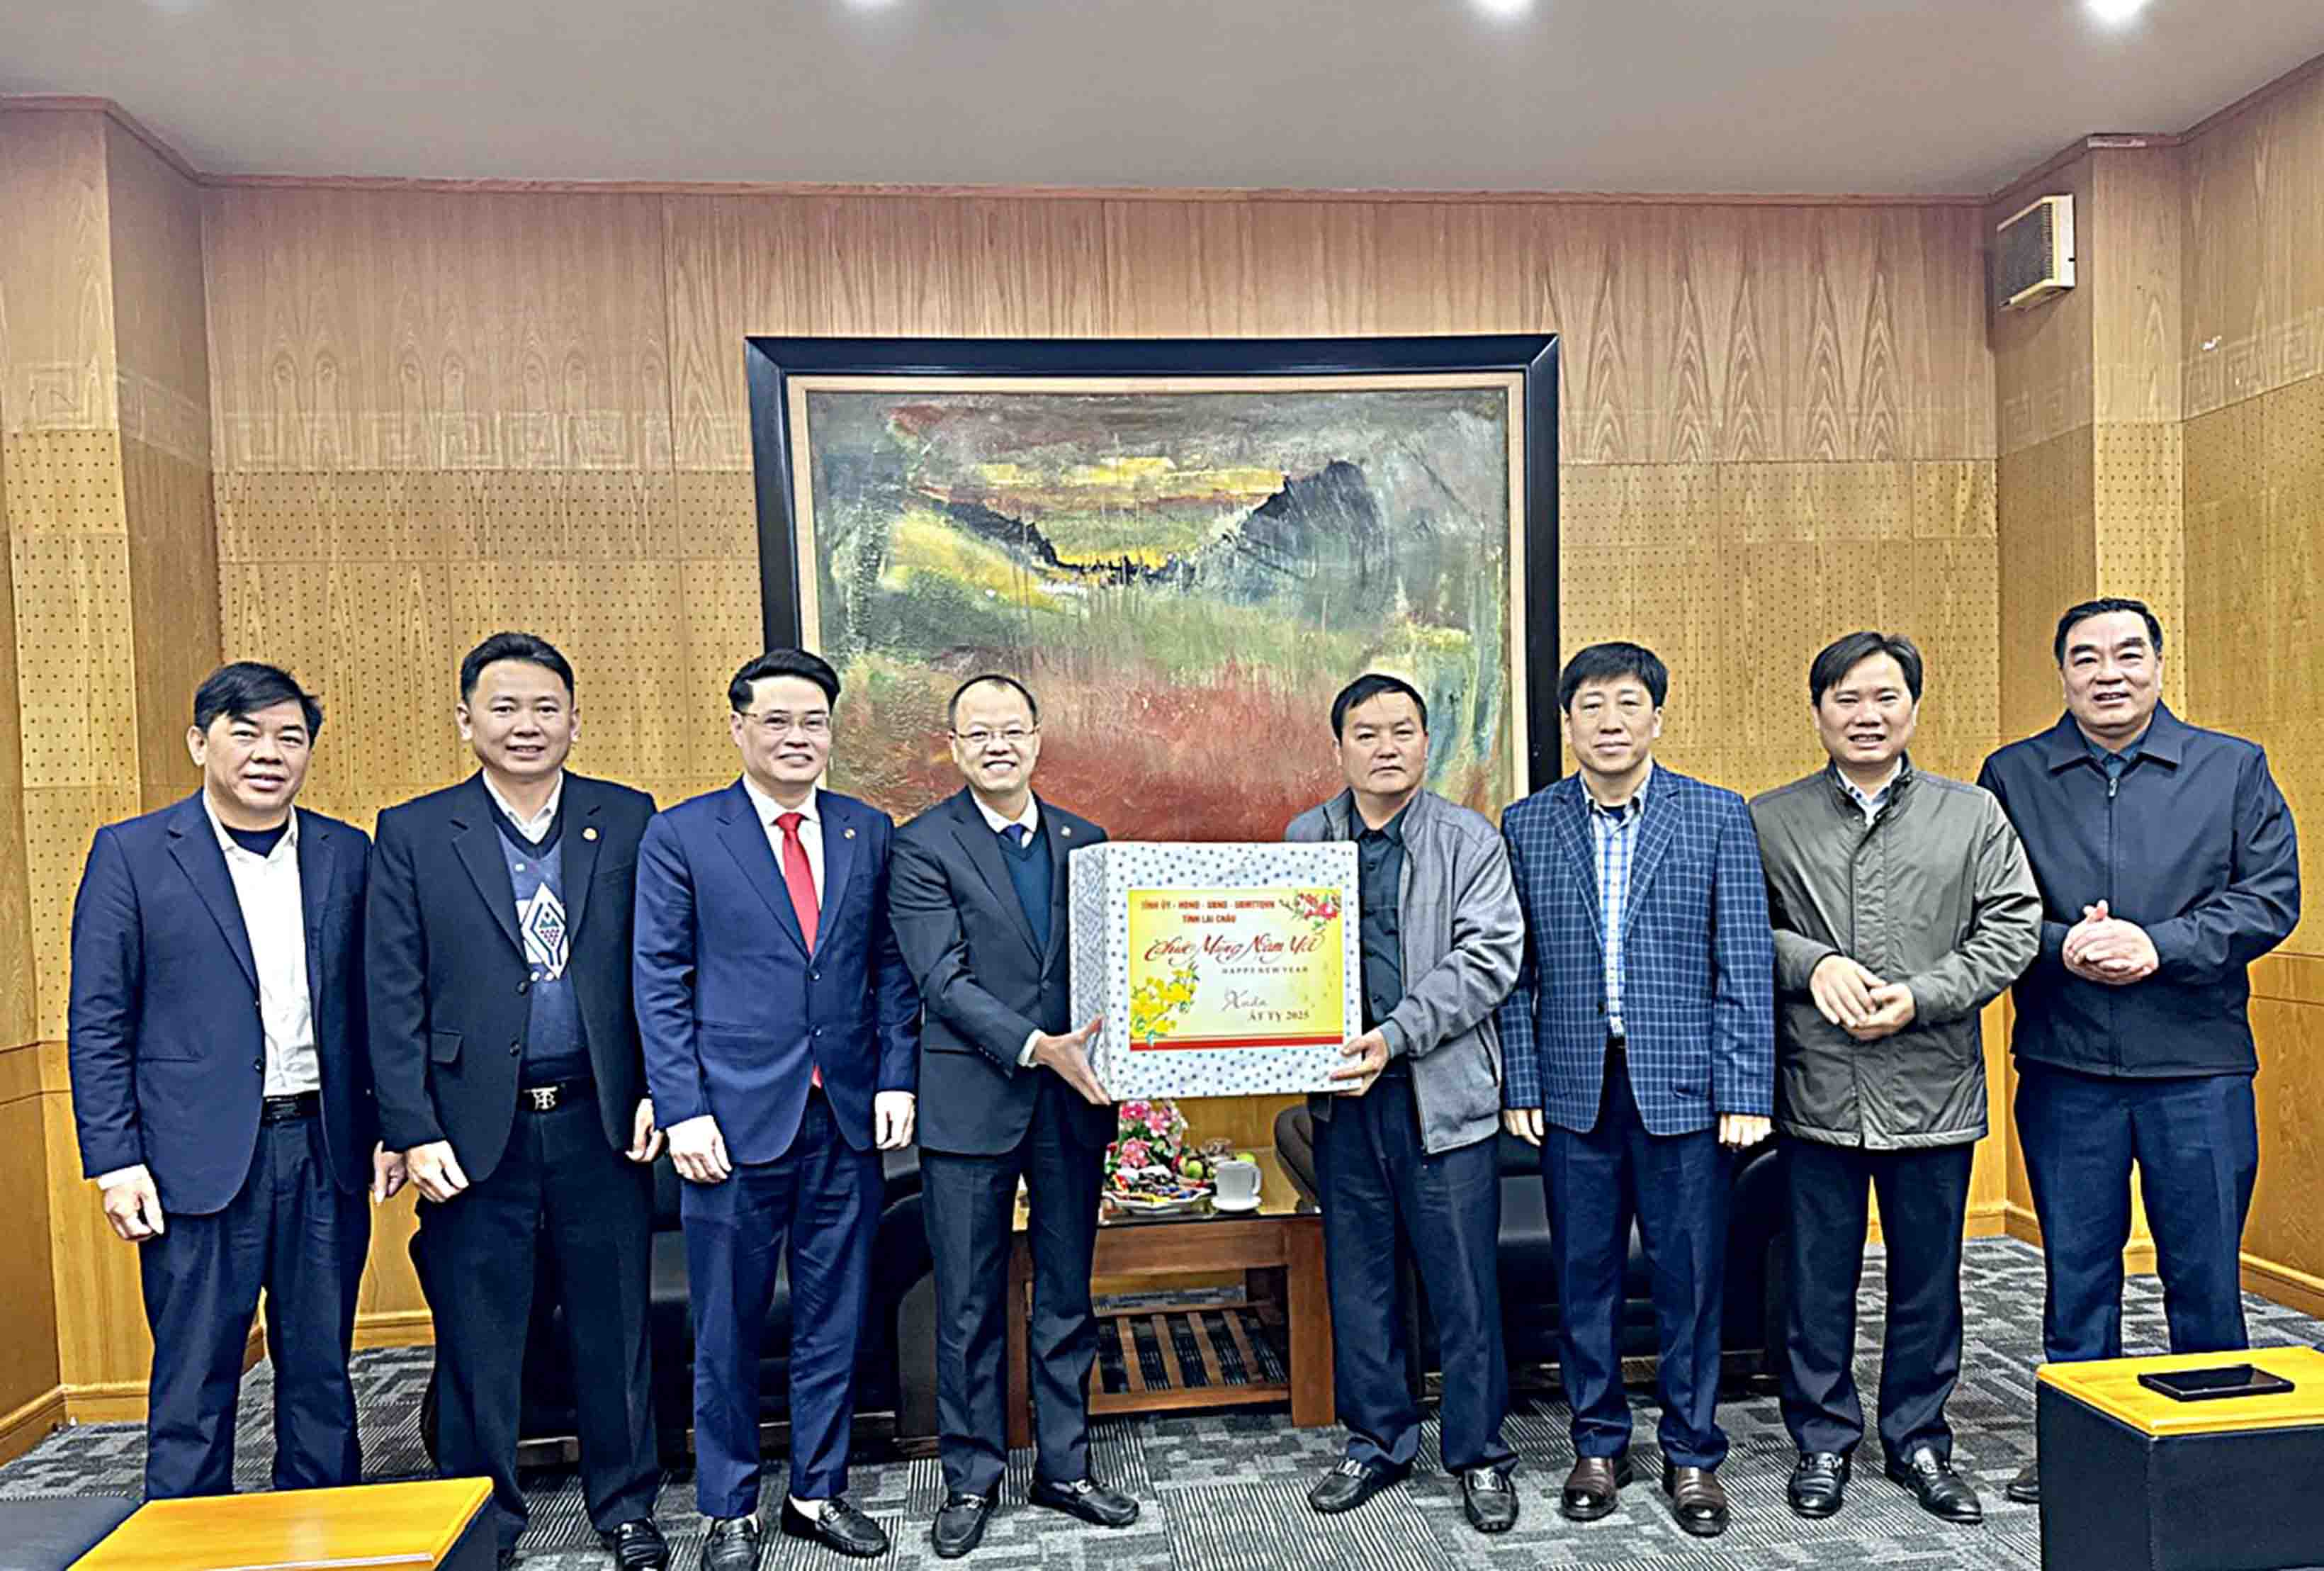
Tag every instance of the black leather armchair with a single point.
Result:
(895, 1391)
(1751, 1331)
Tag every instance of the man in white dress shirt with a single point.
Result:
(221, 1087)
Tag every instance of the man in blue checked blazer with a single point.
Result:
(1639, 1046)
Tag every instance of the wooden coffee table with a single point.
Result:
(1279, 1249)
(414, 1527)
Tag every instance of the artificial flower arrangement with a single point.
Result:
(1148, 1167)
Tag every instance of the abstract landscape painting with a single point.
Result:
(1184, 572)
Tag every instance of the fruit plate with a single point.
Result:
(1177, 1204)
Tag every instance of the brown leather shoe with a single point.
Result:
(1592, 1489)
(1697, 1498)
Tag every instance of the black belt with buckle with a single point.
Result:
(548, 1098)
(284, 1109)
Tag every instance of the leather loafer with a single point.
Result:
(838, 1526)
(637, 1546)
(1491, 1503)
(1352, 1482)
(960, 1523)
(1942, 1491)
(1594, 1487)
(1697, 1498)
(1085, 1498)
(1820, 1483)
(2025, 1489)
(733, 1545)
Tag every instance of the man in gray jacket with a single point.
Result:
(1902, 904)
(1407, 1155)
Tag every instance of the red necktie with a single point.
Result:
(799, 879)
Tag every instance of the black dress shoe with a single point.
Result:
(960, 1523)
(1698, 1499)
(1491, 1503)
(2025, 1489)
(507, 1558)
(1942, 1491)
(1352, 1482)
(1593, 1488)
(733, 1545)
(1085, 1498)
(1820, 1483)
(839, 1527)
(637, 1546)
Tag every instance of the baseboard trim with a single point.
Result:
(395, 1328)
(2284, 1284)
(31, 1423)
(109, 1402)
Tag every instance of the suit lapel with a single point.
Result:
(194, 845)
(317, 867)
(745, 839)
(983, 848)
(577, 845)
(838, 859)
(1060, 846)
(1658, 828)
(476, 841)
(1569, 824)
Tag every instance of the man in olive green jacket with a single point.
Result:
(1902, 904)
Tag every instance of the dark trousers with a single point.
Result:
(1923, 1203)
(2196, 1141)
(1676, 1186)
(293, 1230)
(558, 1187)
(1384, 1193)
(817, 1207)
(969, 1202)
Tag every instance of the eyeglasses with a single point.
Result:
(1015, 736)
(775, 724)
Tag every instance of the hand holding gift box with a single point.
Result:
(1232, 968)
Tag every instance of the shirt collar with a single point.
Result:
(1629, 811)
(1887, 783)
(2127, 752)
(286, 846)
(534, 828)
(1030, 818)
(768, 809)
(1391, 831)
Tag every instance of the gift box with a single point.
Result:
(1222, 969)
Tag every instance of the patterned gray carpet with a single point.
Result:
(1226, 1493)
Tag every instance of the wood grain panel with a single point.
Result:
(101, 1336)
(19, 989)
(2285, 1227)
(57, 356)
(2043, 373)
(2137, 500)
(172, 543)
(161, 332)
(28, 1304)
(2134, 254)
(2254, 278)
(358, 329)
(2048, 561)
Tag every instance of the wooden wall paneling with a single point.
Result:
(2254, 235)
(2134, 254)
(1317, 266)
(2042, 378)
(2048, 561)
(160, 328)
(1181, 270)
(172, 545)
(1949, 363)
(103, 1350)
(2137, 501)
(57, 356)
(2285, 1230)
(736, 265)
(19, 1021)
(29, 1370)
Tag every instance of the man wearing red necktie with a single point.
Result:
(781, 1026)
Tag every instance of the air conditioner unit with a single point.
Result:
(2033, 254)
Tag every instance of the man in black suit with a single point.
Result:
(221, 1090)
(507, 1053)
(977, 889)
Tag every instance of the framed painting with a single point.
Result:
(1183, 548)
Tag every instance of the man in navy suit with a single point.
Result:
(979, 893)
(1642, 1035)
(780, 1030)
(221, 1088)
(497, 954)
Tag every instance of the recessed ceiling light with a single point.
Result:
(1503, 9)
(2115, 12)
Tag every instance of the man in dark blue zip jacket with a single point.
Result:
(2167, 864)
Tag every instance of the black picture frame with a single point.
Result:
(770, 361)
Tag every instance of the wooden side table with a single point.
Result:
(1276, 1239)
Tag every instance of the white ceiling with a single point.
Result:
(1805, 96)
